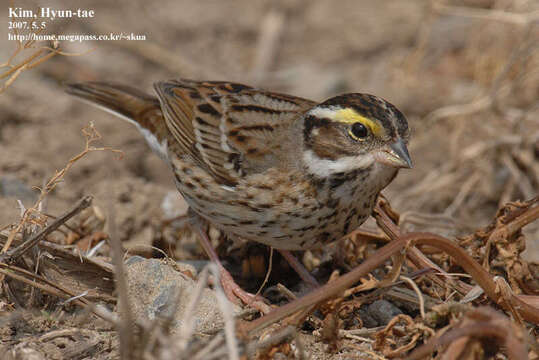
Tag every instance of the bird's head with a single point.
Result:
(354, 131)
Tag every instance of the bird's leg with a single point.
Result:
(232, 290)
(299, 268)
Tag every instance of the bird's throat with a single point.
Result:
(325, 168)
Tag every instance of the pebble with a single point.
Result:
(381, 311)
(154, 288)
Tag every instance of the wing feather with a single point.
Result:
(228, 128)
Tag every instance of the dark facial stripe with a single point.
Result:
(310, 123)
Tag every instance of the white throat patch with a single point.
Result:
(324, 168)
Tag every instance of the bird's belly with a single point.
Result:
(292, 230)
(299, 227)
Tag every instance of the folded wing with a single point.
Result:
(228, 128)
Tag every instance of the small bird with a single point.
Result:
(263, 166)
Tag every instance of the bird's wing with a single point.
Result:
(229, 128)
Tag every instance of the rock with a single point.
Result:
(155, 288)
(366, 318)
(134, 259)
(382, 311)
(24, 353)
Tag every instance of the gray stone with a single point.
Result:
(157, 290)
(382, 311)
(134, 259)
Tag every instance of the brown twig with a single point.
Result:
(480, 323)
(31, 61)
(91, 135)
(13, 254)
(480, 275)
(414, 254)
(276, 338)
(41, 283)
(399, 243)
(125, 328)
(329, 290)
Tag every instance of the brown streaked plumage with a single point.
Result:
(273, 168)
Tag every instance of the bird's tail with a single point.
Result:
(130, 104)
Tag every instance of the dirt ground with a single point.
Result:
(467, 81)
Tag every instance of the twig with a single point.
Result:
(33, 60)
(299, 268)
(24, 276)
(209, 348)
(480, 275)
(62, 333)
(462, 109)
(419, 294)
(266, 278)
(329, 290)
(15, 253)
(91, 135)
(275, 338)
(286, 292)
(188, 323)
(416, 256)
(125, 328)
(529, 216)
(362, 331)
(83, 294)
(399, 242)
(465, 190)
(70, 228)
(486, 324)
(523, 183)
(227, 312)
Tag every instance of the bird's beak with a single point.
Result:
(396, 155)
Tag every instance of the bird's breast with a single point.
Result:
(285, 211)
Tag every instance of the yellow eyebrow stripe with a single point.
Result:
(350, 116)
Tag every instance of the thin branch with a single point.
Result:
(419, 294)
(14, 254)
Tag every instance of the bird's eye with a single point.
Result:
(358, 131)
